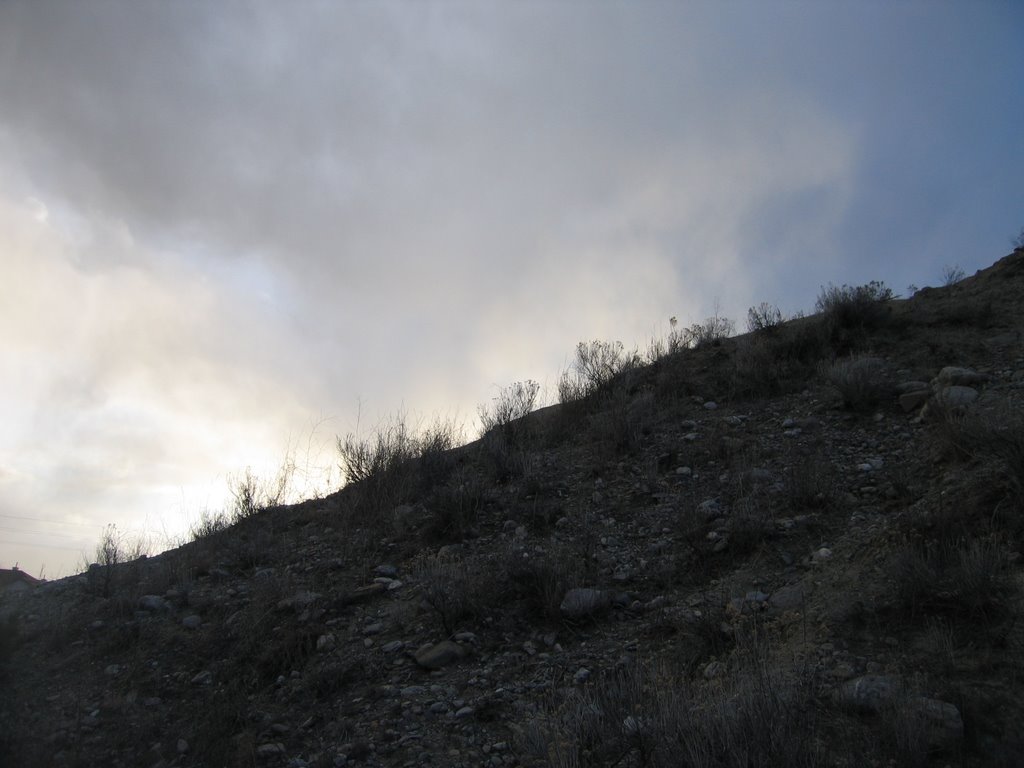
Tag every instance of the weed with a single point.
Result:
(764, 318)
(709, 333)
(863, 382)
(113, 551)
(966, 579)
(849, 313)
(508, 410)
(596, 366)
(951, 275)
(451, 587)
(454, 508)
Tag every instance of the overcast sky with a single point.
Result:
(230, 228)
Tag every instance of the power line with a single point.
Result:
(41, 533)
(43, 520)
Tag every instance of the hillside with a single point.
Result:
(796, 547)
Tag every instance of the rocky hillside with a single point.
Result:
(796, 547)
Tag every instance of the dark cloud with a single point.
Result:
(220, 220)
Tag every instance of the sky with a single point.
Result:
(230, 232)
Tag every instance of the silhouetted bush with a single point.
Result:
(849, 313)
(764, 318)
(508, 409)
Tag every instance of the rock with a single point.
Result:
(581, 676)
(822, 555)
(710, 508)
(440, 655)
(908, 387)
(270, 750)
(153, 603)
(788, 598)
(956, 396)
(203, 678)
(869, 693)
(363, 594)
(911, 401)
(182, 746)
(192, 621)
(301, 599)
(941, 721)
(714, 669)
(953, 376)
(464, 712)
(584, 601)
(710, 405)
(326, 643)
(389, 571)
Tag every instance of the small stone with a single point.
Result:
(714, 669)
(581, 676)
(269, 750)
(911, 401)
(203, 678)
(822, 555)
(326, 643)
(943, 725)
(956, 397)
(464, 712)
(787, 598)
(440, 655)
(389, 571)
(112, 669)
(868, 693)
(182, 746)
(393, 646)
(192, 621)
(153, 603)
(710, 405)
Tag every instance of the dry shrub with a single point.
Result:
(597, 365)
(962, 580)
(764, 318)
(509, 409)
(863, 382)
(650, 716)
(454, 588)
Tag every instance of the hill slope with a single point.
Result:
(796, 547)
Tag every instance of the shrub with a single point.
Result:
(209, 524)
(114, 550)
(709, 333)
(512, 404)
(597, 365)
(764, 318)
(452, 587)
(635, 715)
(966, 579)
(663, 347)
(863, 382)
(454, 508)
(850, 312)
(434, 449)
(380, 465)
(951, 275)
(251, 495)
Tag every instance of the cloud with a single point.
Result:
(218, 225)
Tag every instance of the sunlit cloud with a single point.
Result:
(226, 236)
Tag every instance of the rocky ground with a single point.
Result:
(800, 546)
